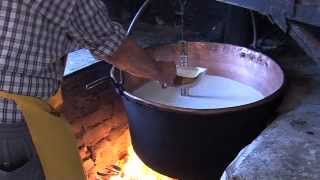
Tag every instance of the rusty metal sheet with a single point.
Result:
(306, 11)
(283, 12)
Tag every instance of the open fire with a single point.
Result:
(132, 168)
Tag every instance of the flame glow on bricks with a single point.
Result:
(134, 169)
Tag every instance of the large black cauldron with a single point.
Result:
(199, 144)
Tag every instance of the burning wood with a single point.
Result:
(134, 169)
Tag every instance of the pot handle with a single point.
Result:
(118, 84)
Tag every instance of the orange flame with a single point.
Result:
(135, 169)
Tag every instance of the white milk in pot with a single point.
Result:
(211, 92)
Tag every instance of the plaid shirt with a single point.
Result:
(36, 34)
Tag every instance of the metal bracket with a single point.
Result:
(97, 83)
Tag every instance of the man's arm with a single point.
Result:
(91, 27)
(133, 59)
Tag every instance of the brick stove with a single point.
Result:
(99, 123)
(98, 120)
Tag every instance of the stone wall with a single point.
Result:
(289, 148)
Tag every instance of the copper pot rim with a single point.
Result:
(267, 99)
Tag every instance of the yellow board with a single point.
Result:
(52, 137)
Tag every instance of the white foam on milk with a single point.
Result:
(212, 92)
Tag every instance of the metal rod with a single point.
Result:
(184, 50)
(182, 4)
(138, 14)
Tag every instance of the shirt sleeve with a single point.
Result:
(91, 27)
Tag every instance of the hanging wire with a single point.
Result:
(254, 29)
(263, 38)
(182, 4)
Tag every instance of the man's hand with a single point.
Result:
(134, 60)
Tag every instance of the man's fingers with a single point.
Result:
(167, 72)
